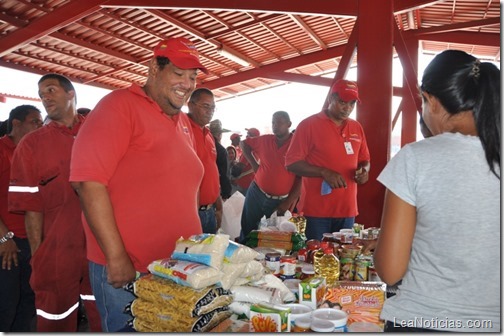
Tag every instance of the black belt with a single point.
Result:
(205, 207)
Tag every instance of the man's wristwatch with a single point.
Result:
(7, 236)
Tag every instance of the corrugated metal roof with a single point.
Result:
(108, 43)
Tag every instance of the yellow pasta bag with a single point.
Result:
(183, 300)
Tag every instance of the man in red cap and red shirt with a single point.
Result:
(235, 142)
(136, 171)
(274, 188)
(330, 152)
(242, 171)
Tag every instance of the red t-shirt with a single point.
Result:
(39, 182)
(272, 176)
(205, 148)
(151, 170)
(245, 180)
(320, 142)
(13, 221)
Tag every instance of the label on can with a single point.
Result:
(302, 254)
(287, 265)
(273, 262)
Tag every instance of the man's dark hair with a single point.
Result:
(195, 96)
(19, 113)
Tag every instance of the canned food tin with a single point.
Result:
(287, 266)
(273, 262)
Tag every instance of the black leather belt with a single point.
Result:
(205, 207)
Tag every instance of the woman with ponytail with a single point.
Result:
(440, 229)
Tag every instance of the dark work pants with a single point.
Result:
(17, 301)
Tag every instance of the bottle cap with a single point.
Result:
(328, 250)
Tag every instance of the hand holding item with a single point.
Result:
(361, 175)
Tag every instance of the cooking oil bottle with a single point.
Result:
(329, 266)
(318, 254)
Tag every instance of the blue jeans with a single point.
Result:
(17, 300)
(317, 226)
(109, 300)
(255, 207)
(208, 221)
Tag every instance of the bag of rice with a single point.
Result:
(204, 248)
(191, 274)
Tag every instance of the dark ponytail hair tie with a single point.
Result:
(475, 72)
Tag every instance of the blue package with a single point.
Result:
(326, 188)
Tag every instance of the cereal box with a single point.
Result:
(265, 317)
(311, 291)
(361, 300)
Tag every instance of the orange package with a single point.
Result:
(361, 300)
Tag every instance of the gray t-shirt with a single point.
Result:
(453, 277)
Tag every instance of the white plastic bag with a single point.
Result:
(231, 215)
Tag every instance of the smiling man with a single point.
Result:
(136, 171)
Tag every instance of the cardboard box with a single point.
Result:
(311, 291)
(268, 318)
(361, 300)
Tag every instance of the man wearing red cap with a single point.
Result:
(242, 171)
(235, 142)
(330, 151)
(137, 174)
(273, 188)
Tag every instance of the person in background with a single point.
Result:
(329, 150)
(135, 169)
(232, 154)
(242, 172)
(40, 189)
(201, 109)
(17, 300)
(274, 188)
(222, 161)
(441, 216)
(83, 111)
(3, 128)
(235, 142)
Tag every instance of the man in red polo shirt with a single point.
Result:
(242, 171)
(330, 151)
(17, 300)
(40, 189)
(235, 142)
(274, 188)
(137, 174)
(201, 109)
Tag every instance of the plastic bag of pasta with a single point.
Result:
(180, 299)
(191, 274)
(204, 248)
(147, 321)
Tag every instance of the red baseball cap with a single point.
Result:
(346, 90)
(181, 52)
(234, 136)
(253, 132)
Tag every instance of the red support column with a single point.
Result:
(409, 112)
(374, 77)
